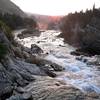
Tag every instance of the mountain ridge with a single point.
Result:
(7, 6)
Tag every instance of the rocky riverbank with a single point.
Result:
(32, 73)
(29, 32)
(18, 67)
(81, 29)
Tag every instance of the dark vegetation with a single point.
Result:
(6, 29)
(8, 23)
(16, 21)
(82, 30)
(3, 50)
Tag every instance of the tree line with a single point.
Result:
(82, 29)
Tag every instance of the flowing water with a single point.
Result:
(79, 74)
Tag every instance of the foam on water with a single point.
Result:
(76, 72)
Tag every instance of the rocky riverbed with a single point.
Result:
(42, 68)
(81, 75)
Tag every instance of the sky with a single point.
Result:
(55, 7)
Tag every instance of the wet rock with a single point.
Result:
(38, 41)
(82, 58)
(17, 52)
(20, 36)
(21, 52)
(45, 67)
(28, 32)
(27, 96)
(27, 76)
(94, 60)
(26, 68)
(15, 71)
(20, 90)
(22, 82)
(36, 49)
(6, 87)
(79, 52)
(26, 49)
(49, 64)
(24, 96)
(57, 67)
(26, 55)
(46, 88)
(49, 67)
(48, 71)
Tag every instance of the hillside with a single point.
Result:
(6, 6)
(37, 64)
(82, 30)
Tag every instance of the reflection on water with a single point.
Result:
(77, 73)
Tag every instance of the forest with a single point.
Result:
(82, 30)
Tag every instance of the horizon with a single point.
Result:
(55, 7)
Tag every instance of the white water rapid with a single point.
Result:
(79, 74)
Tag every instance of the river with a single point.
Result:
(77, 73)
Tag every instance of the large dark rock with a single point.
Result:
(48, 71)
(47, 64)
(25, 49)
(18, 53)
(15, 73)
(6, 86)
(29, 33)
(46, 88)
(24, 96)
(79, 52)
(36, 49)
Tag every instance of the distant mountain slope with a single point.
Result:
(46, 21)
(6, 6)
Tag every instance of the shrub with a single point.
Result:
(6, 30)
(3, 50)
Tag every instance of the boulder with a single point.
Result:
(26, 49)
(46, 88)
(28, 33)
(6, 87)
(27, 68)
(95, 60)
(20, 36)
(36, 49)
(17, 51)
(24, 96)
(25, 54)
(20, 90)
(79, 52)
(49, 64)
(57, 67)
(48, 71)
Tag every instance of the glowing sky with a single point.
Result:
(55, 7)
